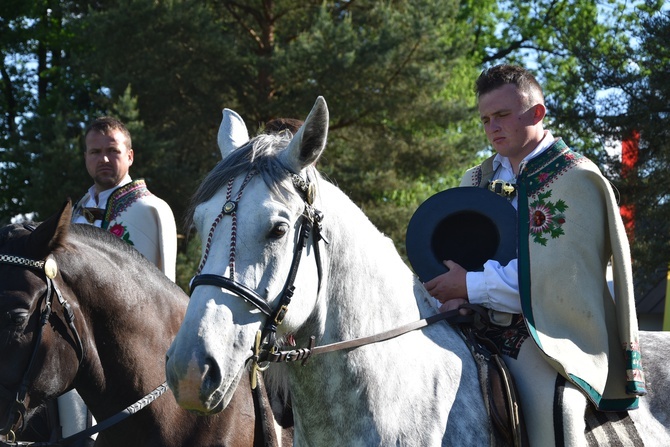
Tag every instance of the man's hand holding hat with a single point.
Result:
(449, 288)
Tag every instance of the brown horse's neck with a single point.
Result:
(128, 320)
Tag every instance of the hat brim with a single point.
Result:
(467, 225)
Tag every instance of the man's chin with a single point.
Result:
(105, 183)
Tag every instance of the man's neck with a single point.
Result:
(533, 148)
(97, 190)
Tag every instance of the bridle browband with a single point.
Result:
(310, 224)
(49, 267)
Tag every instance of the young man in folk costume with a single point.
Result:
(557, 325)
(125, 208)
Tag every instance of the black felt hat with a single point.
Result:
(467, 225)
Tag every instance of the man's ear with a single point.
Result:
(539, 112)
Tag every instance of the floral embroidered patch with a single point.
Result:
(121, 232)
(546, 218)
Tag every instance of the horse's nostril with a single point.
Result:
(211, 375)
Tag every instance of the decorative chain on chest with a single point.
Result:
(17, 260)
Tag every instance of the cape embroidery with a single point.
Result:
(544, 196)
(546, 218)
(119, 230)
(122, 198)
(543, 170)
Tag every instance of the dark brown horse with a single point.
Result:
(102, 325)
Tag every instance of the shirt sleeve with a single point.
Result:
(497, 287)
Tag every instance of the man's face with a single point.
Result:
(107, 158)
(510, 127)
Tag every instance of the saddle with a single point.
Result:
(498, 389)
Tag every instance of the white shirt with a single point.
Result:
(497, 287)
(100, 201)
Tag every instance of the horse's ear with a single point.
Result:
(232, 132)
(51, 234)
(310, 140)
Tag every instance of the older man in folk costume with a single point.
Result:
(125, 208)
(557, 325)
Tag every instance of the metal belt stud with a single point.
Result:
(229, 207)
(502, 188)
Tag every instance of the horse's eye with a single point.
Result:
(16, 319)
(279, 230)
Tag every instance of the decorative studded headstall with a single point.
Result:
(49, 267)
(310, 225)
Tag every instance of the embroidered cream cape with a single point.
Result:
(143, 220)
(569, 229)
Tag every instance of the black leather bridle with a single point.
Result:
(49, 268)
(310, 225)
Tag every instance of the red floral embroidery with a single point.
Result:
(546, 218)
(121, 232)
(117, 230)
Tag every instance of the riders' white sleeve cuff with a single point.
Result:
(497, 287)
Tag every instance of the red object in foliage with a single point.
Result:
(630, 153)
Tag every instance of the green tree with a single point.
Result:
(634, 77)
(649, 114)
(397, 77)
(384, 68)
(44, 106)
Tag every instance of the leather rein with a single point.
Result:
(18, 408)
(265, 348)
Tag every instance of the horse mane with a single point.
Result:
(7, 232)
(259, 154)
(98, 234)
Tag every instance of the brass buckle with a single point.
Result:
(502, 188)
(281, 313)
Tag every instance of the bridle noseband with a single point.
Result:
(310, 225)
(50, 269)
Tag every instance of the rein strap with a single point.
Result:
(110, 421)
(118, 417)
(452, 317)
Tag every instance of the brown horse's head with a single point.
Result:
(33, 319)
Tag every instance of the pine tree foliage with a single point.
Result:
(397, 76)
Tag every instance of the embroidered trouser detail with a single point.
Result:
(508, 339)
